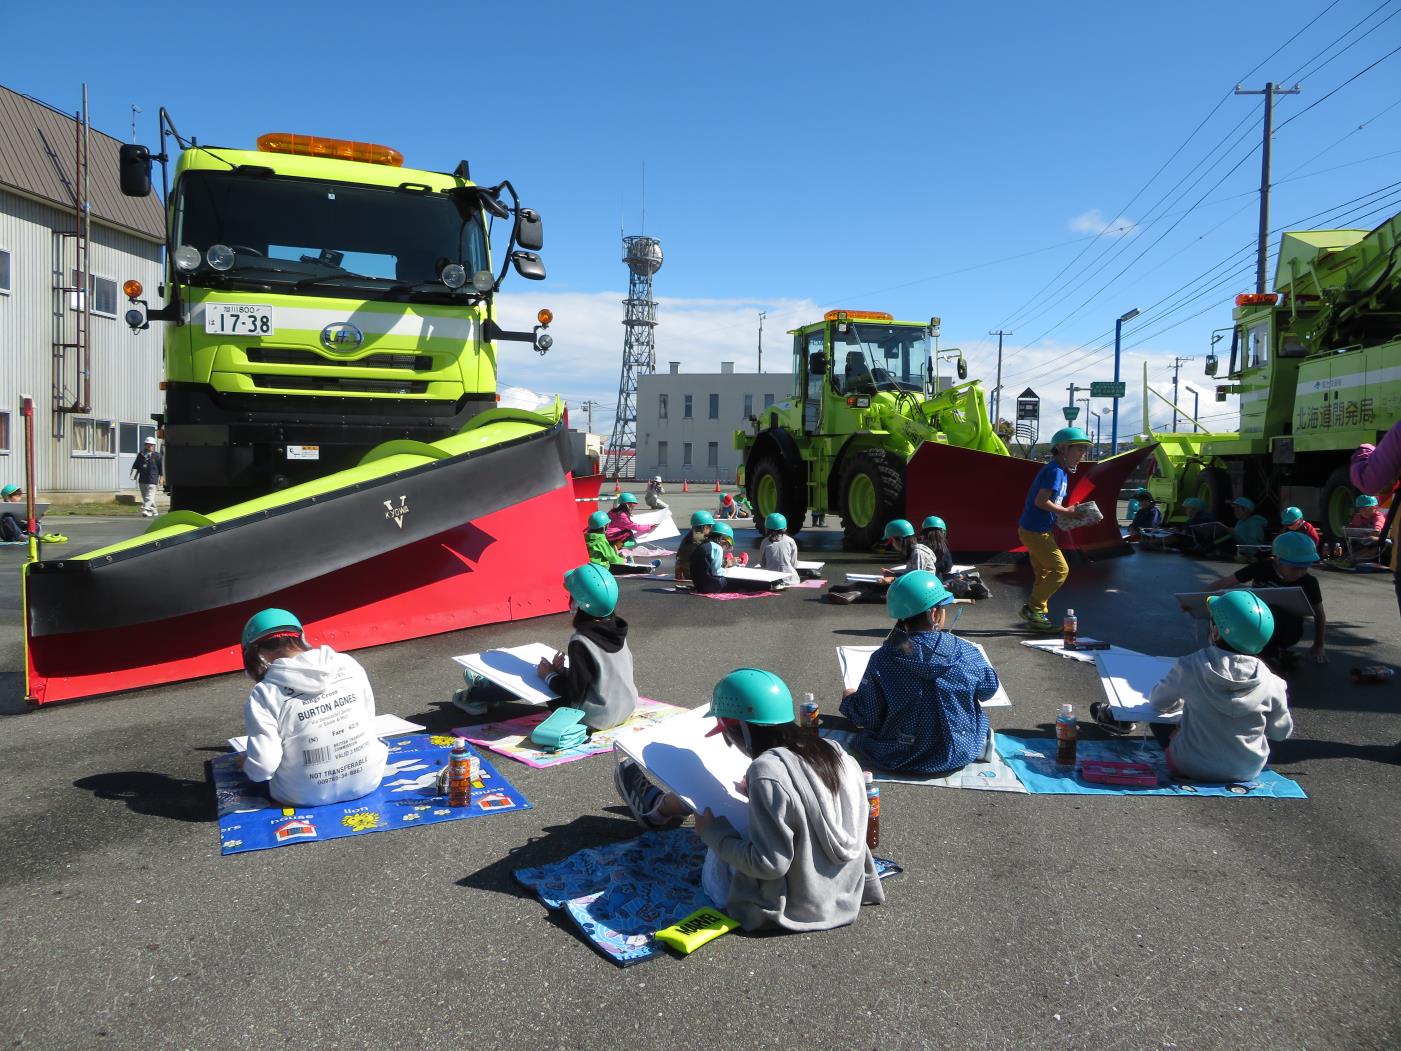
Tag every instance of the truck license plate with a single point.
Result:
(238, 319)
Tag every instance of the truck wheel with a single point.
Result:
(772, 488)
(1338, 498)
(1213, 487)
(872, 492)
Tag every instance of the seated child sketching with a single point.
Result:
(1203, 532)
(1293, 519)
(934, 534)
(803, 865)
(900, 535)
(701, 524)
(1231, 704)
(597, 676)
(621, 525)
(1249, 529)
(779, 551)
(310, 717)
(917, 708)
(1293, 554)
(1367, 514)
(12, 522)
(710, 560)
(603, 553)
(1147, 515)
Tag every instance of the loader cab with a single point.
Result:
(1265, 356)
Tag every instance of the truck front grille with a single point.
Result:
(295, 356)
(338, 385)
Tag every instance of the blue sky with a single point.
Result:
(917, 158)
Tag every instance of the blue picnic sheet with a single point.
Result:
(1033, 760)
(407, 797)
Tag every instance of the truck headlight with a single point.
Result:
(483, 281)
(220, 257)
(187, 258)
(454, 275)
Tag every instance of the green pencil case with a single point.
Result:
(563, 729)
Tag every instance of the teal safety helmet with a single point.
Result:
(723, 529)
(1134, 508)
(598, 520)
(898, 529)
(1243, 502)
(624, 498)
(914, 593)
(775, 522)
(270, 622)
(1242, 620)
(701, 518)
(752, 695)
(9, 490)
(1290, 515)
(1295, 549)
(1360, 502)
(593, 589)
(1069, 436)
(933, 522)
(1196, 503)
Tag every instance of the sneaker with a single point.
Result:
(978, 590)
(1037, 621)
(640, 795)
(463, 699)
(841, 598)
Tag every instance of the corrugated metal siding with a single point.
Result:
(36, 158)
(127, 366)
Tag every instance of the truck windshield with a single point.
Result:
(327, 238)
(873, 357)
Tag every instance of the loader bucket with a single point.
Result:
(982, 496)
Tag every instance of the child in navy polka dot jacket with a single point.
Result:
(917, 708)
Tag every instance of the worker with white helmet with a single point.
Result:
(654, 493)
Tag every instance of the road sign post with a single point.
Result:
(1070, 412)
(1108, 390)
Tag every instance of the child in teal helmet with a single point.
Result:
(1292, 519)
(309, 717)
(1148, 515)
(1367, 514)
(802, 864)
(622, 527)
(1232, 705)
(900, 535)
(701, 524)
(605, 554)
(1249, 529)
(1036, 527)
(779, 552)
(918, 707)
(712, 558)
(595, 672)
(1292, 556)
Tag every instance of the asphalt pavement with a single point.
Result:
(1020, 921)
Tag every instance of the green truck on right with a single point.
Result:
(1317, 366)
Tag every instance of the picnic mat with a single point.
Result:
(992, 776)
(407, 796)
(511, 738)
(619, 894)
(1033, 760)
(724, 596)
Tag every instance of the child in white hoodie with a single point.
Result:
(310, 718)
(779, 551)
(1232, 705)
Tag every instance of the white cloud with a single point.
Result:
(1093, 222)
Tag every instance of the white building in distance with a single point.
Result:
(686, 421)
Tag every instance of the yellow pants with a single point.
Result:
(1048, 565)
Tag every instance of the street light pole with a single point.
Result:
(1114, 423)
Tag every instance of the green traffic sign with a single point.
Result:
(1108, 390)
(1070, 412)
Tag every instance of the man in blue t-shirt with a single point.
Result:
(1044, 500)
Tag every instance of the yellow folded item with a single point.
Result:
(695, 930)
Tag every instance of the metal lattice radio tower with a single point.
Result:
(643, 256)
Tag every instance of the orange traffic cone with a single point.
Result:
(717, 485)
(617, 488)
(685, 485)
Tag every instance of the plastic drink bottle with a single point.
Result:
(1373, 673)
(1070, 627)
(872, 811)
(459, 774)
(809, 713)
(1066, 730)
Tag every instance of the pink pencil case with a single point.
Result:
(1112, 772)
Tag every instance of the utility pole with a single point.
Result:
(1262, 247)
(762, 314)
(1177, 364)
(997, 390)
(588, 407)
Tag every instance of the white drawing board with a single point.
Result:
(853, 661)
(1056, 645)
(1288, 600)
(759, 576)
(666, 525)
(863, 578)
(513, 669)
(701, 770)
(811, 567)
(1128, 678)
(385, 726)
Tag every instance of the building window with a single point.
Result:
(715, 406)
(661, 451)
(104, 295)
(5, 272)
(4, 432)
(768, 401)
(661, 406)
(748, 406)
(94, 438)
(712, 454)
(686, 407)
(686, 454)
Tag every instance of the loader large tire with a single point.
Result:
(871, 492)
(775, 486)
(1336, 507)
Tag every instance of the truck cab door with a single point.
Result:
(814, 357)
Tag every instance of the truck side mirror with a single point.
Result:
(530, 233)
(817, 363)
(1211, 364)
(134, 169)
(962, 369)
(528, 265)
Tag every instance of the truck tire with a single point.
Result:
(1337, 509)
(775, 486)
(870, 493)
(1214, 488)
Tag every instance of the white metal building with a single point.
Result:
(94, 382)
(686, 420)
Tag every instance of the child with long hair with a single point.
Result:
(778, 552)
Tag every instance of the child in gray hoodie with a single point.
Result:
(596, 676)
(803, 863)
(1231, 704)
